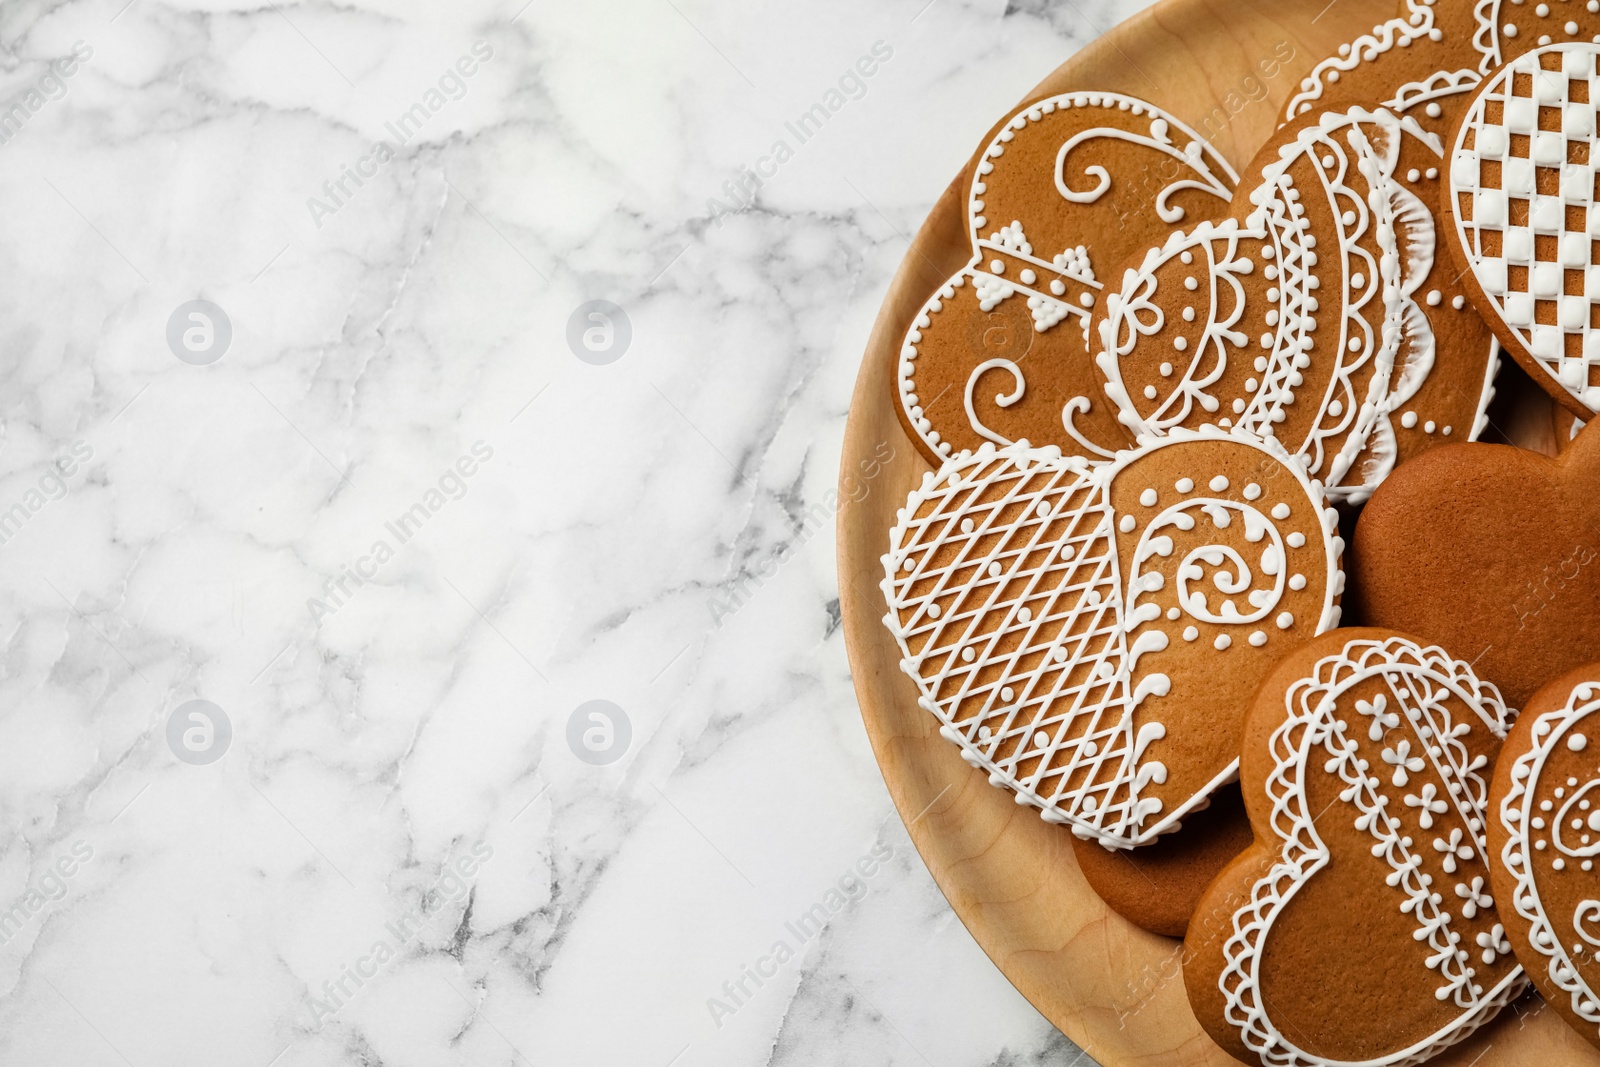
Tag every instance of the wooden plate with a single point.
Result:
(1114, 989)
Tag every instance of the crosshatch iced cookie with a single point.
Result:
(1157, 887)
(1363, 929)
(1089, 633)
(1434, 52)
(1490, 551)
(1522, 214)
(1544, 835)
(1070, 186)
(1318, 314)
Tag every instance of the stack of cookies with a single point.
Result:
(1212, 571)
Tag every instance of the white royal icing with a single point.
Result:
(1396, 359)
(1392, 752)
(1059, 284)
(1536, 830)
(1033, 535)
(1494, 186)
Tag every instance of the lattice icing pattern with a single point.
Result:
(1058, 616)
(1550, 815)
(1320, 317)
(1526, 215)
(1392, 741)
(1069, 185)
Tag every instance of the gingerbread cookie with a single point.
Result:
(1522, 215)
(1070, 186)
(1360, 926)
(1492, 552)
(1544, 835)
(1158, 886)
(1427, 59)
(1317, 314)
(1089, 633)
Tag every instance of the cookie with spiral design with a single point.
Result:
(1089, 634)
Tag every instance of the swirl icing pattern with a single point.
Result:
(1068, 187)
(1089, 633)
(1545, 834)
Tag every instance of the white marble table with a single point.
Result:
(373, 509)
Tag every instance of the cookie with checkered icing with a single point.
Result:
(1360, 928)
(1426, 61)
(1088, 634)
(1319, 313)
(1522, 215)
(1544, 839)
(1066, 188)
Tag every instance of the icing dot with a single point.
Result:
(1191, 284)
(1261, 361)
(1086, 300)
(1298, 582)
(967, 654)
(1358, 280)
(1218, 484)
(1429, 426)
(1434, 111)
(1166, 370)
(994, 569)
(1222, 642)
(1238, 406)
(966, 526)
(1577, 742)
(1023, 615)
(1057, 286)
(1150, 392)
(1409, 419)
(1028, 277)
(1446, 430)
(1328, 161)
(1559, 863)
(1510, 29)
(1336, 408)
(1258, 639)
(1459, 302)
(1148, 498)
(1043, 509)
(997, 267)
(1174, 613)
(1127, 524)
(1413, 175)
(1296, 540)
(1543, 10)
(1185, 485)
(1280, 511)
(1435, 298)
(1285, 621)
(1349, 217)
(933, 611)
(1252, 491)
(1571, 27)
(1432, 172)
(1190, 633)
(1186, 257)
(1188, 314)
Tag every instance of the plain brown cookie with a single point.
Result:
(1157, 887)
(1490, 551)
(1358, 927)
(1066, 189)
(1544, 835)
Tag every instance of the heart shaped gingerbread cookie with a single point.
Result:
(1523, 216)
(1490, 551)
(1360, 926)
(1068, 187)
(1318, 314)
(1544, 837)
(1089, 634)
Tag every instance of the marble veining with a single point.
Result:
(397, 533)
